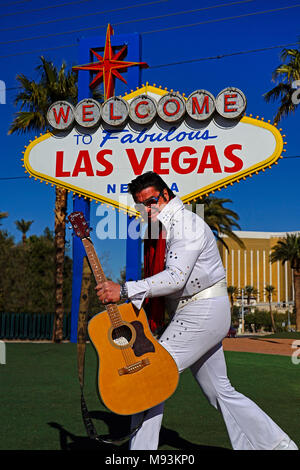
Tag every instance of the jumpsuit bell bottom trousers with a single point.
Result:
(194, 339)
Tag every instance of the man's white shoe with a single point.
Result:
(286, 444)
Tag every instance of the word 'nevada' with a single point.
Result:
(143, 109)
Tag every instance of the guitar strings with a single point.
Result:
(127, 351)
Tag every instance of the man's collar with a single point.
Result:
(166, 214)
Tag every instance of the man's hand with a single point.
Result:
(108, 292)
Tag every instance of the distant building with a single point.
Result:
(252, 266)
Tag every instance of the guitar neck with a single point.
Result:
(94, 261)
(112, 309)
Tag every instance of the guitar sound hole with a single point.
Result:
(122, 335)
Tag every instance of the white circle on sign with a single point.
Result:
(142, 109)
(88, 112)
(115, 111)
(200, 105)
(171, 107)
(60, 115)
(231, 103)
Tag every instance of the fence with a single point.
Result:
(32, 326)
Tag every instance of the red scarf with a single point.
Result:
(154, 262)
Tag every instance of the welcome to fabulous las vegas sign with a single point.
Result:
(198, 144)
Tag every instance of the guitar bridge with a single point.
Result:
(134, 367)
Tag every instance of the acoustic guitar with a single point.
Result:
(135, 372)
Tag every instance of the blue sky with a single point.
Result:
(171, 32)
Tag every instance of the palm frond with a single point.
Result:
(287, 249)
(220, 219)
(26, 121)
(3, 215)
(35, 97)
(284, 75)
(23, 225)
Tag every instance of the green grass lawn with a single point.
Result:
(40, 401)
(284, 334)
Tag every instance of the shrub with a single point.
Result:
(262, 320)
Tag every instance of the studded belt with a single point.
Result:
(217, 290)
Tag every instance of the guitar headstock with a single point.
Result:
(79, 224)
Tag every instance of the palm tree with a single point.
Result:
(232, 291)
(270, 290)
(221, 220)
(288, 249)
(249, 291)
(285, 74)
(23, 226)
(34, 100)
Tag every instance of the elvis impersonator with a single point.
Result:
(191, 281)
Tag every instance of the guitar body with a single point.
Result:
(135, 372)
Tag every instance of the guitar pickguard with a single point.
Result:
(142, 344)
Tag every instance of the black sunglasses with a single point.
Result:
(152, 200)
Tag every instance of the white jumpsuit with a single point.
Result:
(195, 333)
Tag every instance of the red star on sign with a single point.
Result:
(107, 67)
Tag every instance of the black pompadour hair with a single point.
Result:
(148, 179)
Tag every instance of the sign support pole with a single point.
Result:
(79, 204)
(133, 247)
